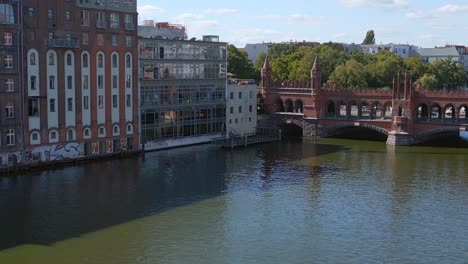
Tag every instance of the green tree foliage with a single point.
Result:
(429, 81)
(416, 67)
(281, 50)
(370, 38)
(239, 64)
(383, 71)
(335, 45)
(449, 74)
(351, 74)
(258, 63)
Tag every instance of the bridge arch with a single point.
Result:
(377, 110)
(354, 109)
(422, 111)
(279, 106)
(462, 111)
(343, 109)
(365, 110)
(331, 108)
(288, 106)
(298, 106)
(435, 111)
(435, 133)
(388, 109)
(335, 129)
(449, 111)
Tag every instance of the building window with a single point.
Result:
(240, 109)
(32, 59)
(84, 18)
(128, 82)
(10, 137)
(129, 25)
(52, 82)
(8, 63)
(114, 101)
(101, 20)
(231, 96)
(52, 105)
(85, 82)
(31, 12)
(114, 40)
(250, 119)
(100, 39)
(114, 20)
(70, 104)
(51, 59)
(67, 15)
(250, 94)
(100, 61)
(70, 135)
(69, 60)
(53, 135)
(115, 61)
(231, 110)
(115, 82)
(9, 110)
(85, 38)
(87, 132)
(102, 132)
(128, 61)
(129, 129)
(85, 60)
(35, 136)
(50, 14)
(100, 81)
(129, 100)
(69, 82)
(116, 131)
(7, 15)
(236, 120)
(101, 102)
(32, 82)
(128, 41)
(230, 121)
(250, 108)
(8, 38)
(51, 35)
(86, 102)
(240, 95)
(33, 107)
(9, 85)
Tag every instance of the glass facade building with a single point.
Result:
(182, 88)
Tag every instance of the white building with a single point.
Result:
(253, 50)
(241, 108)
(401, 50)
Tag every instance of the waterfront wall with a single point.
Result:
(174, 143)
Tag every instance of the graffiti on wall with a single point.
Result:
(58, 152)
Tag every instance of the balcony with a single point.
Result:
(63, 43)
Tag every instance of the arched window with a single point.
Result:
(69, 59)
(102, 132)
(53, 136)
(129, 129)
(87, 133)
(115, 130)
(115, 61)
(128, 61)
(70, 135)
(51, 59)
(35, 138)
(85, 60)
(100, 61)
(32, 58)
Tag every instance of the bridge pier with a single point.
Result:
(396, 138)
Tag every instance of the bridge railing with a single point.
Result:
(338, 117)
(443, 120)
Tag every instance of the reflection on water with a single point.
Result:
(325, 201)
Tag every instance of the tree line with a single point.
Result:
(349, 70)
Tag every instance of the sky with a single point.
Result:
(424, 23)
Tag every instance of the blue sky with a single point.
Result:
(425, 23)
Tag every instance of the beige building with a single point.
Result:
(241, 108)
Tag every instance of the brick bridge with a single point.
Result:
(406, 114)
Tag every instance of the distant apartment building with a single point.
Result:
(241, 108)
(182, 90)
(253, 50)
(401, 50)
(150, 29)
(430, 55)
(11, 100)
(81, 85)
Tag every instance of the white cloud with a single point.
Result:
(150, 9)
(378, 4)
(221, 11)
(452, 8)
(188, 16)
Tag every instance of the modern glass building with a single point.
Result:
(182, 90)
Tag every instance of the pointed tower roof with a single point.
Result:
(266, 64)
(316, 66)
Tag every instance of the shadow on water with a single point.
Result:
(47, 207)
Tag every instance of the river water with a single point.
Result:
(323, 201)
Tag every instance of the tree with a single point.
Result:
(416, 67)
(384, 70)
(238, 63)
(450, 74)
(429, 81)
(370, 38)
(351, 74)
(281, 50)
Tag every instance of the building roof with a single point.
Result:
(438, 52)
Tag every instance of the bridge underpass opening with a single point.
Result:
(291, 131)
(452, 139)
(359, 133)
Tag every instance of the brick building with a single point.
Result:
(81, 84)
(11, 127)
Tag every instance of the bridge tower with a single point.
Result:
(403, 116)
(268, 98)
(316, 84)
